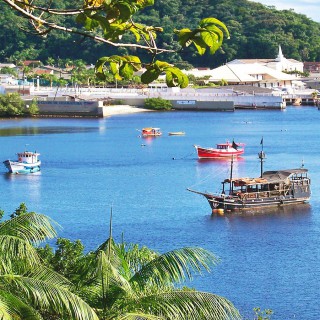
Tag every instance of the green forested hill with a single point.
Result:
(256, 31)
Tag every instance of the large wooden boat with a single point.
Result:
(271, 189)
(223, 150)
(27, 162)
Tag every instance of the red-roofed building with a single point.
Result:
(32, 63)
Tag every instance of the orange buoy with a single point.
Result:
(218, 211)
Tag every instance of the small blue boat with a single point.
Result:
(27, 162)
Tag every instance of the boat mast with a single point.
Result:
(261, 156)
(231, 176)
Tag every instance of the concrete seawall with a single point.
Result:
(97, 104)
(71, 108)
(97, 109)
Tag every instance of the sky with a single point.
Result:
(311, 8)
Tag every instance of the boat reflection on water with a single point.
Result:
(24, 177)
(24, 183)
(220, 160)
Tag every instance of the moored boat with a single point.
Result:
(27, 162)
(223, 150)
(151, 132)
(177, 133)
(271, 189)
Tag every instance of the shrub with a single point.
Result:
(11, 105)
(158, 104)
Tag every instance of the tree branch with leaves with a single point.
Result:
(109, 21)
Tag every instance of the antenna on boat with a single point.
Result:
(261, 156)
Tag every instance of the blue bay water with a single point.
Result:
(270, 260)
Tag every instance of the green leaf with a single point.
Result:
(208, 22)
(145, 3)
(126, 71)
(81, 18)
(150, 75)
(135, 32)
(184, 36)
(103, 22)
(209, 38)
(100, 64)
(125, 11)
(161, 65)
(175, 77)
(114, 68)
(134, 61)
(200, 45)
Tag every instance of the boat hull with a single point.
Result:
(178, 133)
(212, 153)
(151, 134)
(236, 204)
(22, 167)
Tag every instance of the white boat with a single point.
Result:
(27, 162)
(177, 133)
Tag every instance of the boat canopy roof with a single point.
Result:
(267, 177)
(281, 175)
(150, 128)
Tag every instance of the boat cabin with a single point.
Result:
(28, 157)
(228, 145)
(223, 146)
(272, 183)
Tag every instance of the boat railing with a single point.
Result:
(261, 194)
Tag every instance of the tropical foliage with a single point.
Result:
(11, 105)
(157, 104)
(126, 281)
(29, 289)
(256, 31)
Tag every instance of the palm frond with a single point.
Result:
(191, 305)
(110, 274)
(13, 248)
(135, 257)
(49, 296)
(31, 227)
(49, 276)
(11, 307)
(139, 316)
(175, 266)
(4, 309)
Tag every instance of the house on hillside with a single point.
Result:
(41, 71)
(58, 72)
(313, 68)
(7, 65)
(32, 63)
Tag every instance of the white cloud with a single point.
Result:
(310, 8)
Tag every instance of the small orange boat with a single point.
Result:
(151, 132)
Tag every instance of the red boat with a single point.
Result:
(223, 150)
(151, 132)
